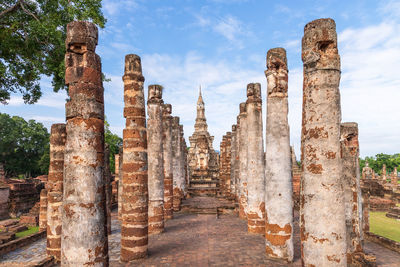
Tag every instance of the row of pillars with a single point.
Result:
(152, 164)
(331, 212)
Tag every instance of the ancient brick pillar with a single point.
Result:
(351, 183)
(393, 177)
(322, 212)
(183, 162)
(365, 209)
(55, 190)
(84, 236)
(155, 159)
(167, 158)
(237, 160)
(243, 142)
(383, 172)
(120, 187)
(278, 173)
(2, 174)
(228, 156)
(43, 210)
(116, 165)
(255, 161)
(134, 228)
(108, 188)
(233, 162)
(176, 164)
(222, 166)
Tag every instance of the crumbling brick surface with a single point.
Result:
(134, 213)
(84, 236)
(255, 161)
(323, 229)
(167, 158)
(242, 195)
(155, 159)
(278, 170)
(55, 192)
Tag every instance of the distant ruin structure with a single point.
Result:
(202, 158)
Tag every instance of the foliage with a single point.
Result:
(114, 142)
(32, 35)
(22, 145)
(377, 162)
(384, 226)
(31, 230)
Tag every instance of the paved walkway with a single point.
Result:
(197, 240)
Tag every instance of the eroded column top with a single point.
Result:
(319, 46)
(155, 93)
(242, 108)
(167, 109)
(253, 92)
(82, 36)
(234, 128)
(133, 67)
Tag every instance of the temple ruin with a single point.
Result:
(170, 204)
(202, 158)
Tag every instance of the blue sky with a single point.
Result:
(222, 44)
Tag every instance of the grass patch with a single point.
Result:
(31, 230)
(384, 226)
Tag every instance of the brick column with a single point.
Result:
(176, 164)
(278, 188)
(222, 166)
(233, 163)
(155, 159)
(43, 210)
(167, 158)
(322, 212)
(255, 161)
(243, 142)
(228, 164)
(134, 229)
(120, 187)
(108, 188)
(183, 161)
(351, 182)
(84, 236)
(55, 192)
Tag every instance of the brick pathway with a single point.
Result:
(198, 240)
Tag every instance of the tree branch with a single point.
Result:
(19, 4)
(10, 9)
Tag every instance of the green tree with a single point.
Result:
(22, 145)
(32, 36)
(114, 142)
(376, 162)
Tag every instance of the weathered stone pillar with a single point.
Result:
(365, 209)
(233, 162)
(183, 161)
(383, 172)
(237, 160)
(43, 210)
(393, 177)
(228, 164)
(222, 167)
(134, 228)
(155, 159)
(351, 182)
(120, 187)
(55, 192)
(278, 173)
(108, 189)
(243, 144)
(322, 219)
(116, 164)
(2, 174)
(176, 164)
(84, 236)
(167, 157)
(255, 161)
